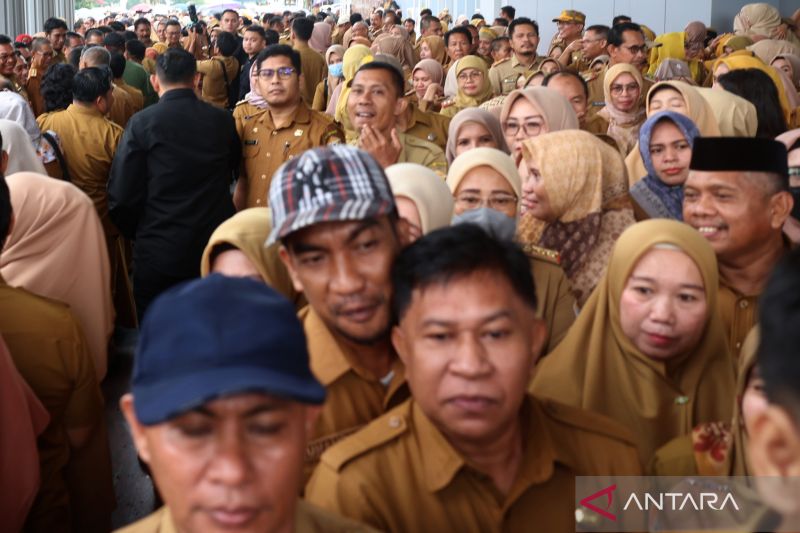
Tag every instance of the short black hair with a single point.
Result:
(104, 29)
(135, 49)
(279, 50)
(54, 23)
(511, 11)
(522, 21)
(271, 37)
(497, 41)
(412, 21)
(425, 12)
(469, 250)
(176, 66)
(171, 22)
(114, 42)
(226, 43)
(275, 20)
(616, 35)
(5, 208)
(93, 31)
(73, 35)
(56, 88)
(117, 65)
(356, 17)
(303, 27)
(757, 87)
(228, 11)
(90, 83)
(425, 22)
(600, 29)
(392, 13)
(569, 74)
(128, 35)
(254, 28)
(140, 21)
(477, 16)
(397, 77)
(74, 57)
(458, 29)
(620, 19)
(500, 21)
(779, 318)
(116, 26)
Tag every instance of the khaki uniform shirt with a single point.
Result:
(556, 302)
(89, 141)
(314, 71)
(401, 474)
(137, 98)
(431, 127)
(355, 396)
(416, 150)
(307, 519)
(739, 314)
(122, 108)
(50, 352)
(265, 147)
(215, 90)
(34, 90)
(504, 74)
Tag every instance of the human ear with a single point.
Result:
(288, 262)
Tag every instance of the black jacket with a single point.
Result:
(169, 186)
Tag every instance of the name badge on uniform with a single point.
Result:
(298, 133)
(600, 103)
(251, 142)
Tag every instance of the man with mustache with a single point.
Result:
(335, 217)
(737, 196)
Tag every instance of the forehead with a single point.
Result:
(521, 29)
(457, 37)
(708, 179)
(230, 16)
(632, 37)
(276, 60)
(569, 83)
(374, 76)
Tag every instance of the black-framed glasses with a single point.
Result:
(284, 73)
(634, 50)
(531, 129)
(618, 89)
(496, 200)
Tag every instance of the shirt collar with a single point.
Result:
(93, 111)
(175, 94)
(328, 361)
(516, 62)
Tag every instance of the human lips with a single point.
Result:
(233, 517)
(359, 313)
(472, 403)
(659, 340)
(673, 171)
(710, 231)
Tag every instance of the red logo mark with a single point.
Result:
(608, 492)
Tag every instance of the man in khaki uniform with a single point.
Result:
(117, 70)
(221, 72)
(334, 214)
(471, 451)
(737, 196)
(593, 45)
(524, 35)
(570, 30)
(314, 68)
(374, 106)
(50, 352)
(122, 108)
(285, 129)
(575, 89)
(221, 408)
(431, 127)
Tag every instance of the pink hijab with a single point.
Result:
(320, 37)
(254, 97)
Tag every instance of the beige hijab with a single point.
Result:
(247, 231)
(767, 49)
(58, 249)
(794, 61)
(426, 189)
(488, 157)
(697, 109)
(623, 126)
(554, 108)
(735, 116)
(598, 368)
(478, 116)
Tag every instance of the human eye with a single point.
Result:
(682, 145)
(311, 259)
(439, 336)
(656, 150)
(687, 297)
(265, 429)
(497, 333)
(642, 290)
(690, 194)
(486, 139)
(462, 142)
(470, 200)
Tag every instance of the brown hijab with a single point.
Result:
(436, 45)
(598, 368)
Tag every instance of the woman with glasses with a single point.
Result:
(624, 110)
(474, 128)
(575, 202)
(474, 87)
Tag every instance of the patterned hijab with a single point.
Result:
(588, 193)
(666, 200)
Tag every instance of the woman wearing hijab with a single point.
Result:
(648, 348)
(236, 249)
(665, 143)
(17, 144)
(474, 128)
(474, 86)
(686, 45)
(790, 65)
(767, 49)
(623, 87)
(432, 47)
(760, 20)
(527, 113)
(333, 58)
(681, 98)
(735, 116)
(426, 82)
(423, 200)
(575, 203)
(674, 69)
(396, 47)
(719, 448)
(57, 249)
(320, 37)
(485, 177)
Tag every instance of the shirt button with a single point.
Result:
(681, 400)
(269, 154)
(263, 176)
(258, 200)
(274, 133)
(394, 422)
(738, 345)
(743, 304)
(255, 130)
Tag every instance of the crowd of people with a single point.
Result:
(394, 274)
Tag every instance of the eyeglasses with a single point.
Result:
(631, 88)
(497, 200)
(636, 50)
(473, 75)
(531, 129)
(284, 73)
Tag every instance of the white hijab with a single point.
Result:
(14, 107)
(21, 155)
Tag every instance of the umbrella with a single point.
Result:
(218, 8)
(141, 8)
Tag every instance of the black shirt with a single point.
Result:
(169, 186)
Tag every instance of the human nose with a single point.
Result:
(470, 359)
(701, 206)
(662, 309)
(230, 465)
(345, 277)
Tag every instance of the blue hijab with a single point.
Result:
(670, 197)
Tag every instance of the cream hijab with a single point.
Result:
(598, 368)
(478, 116)
(697, 109)
(767, 49)
(735, 116)
(21, 155)
(623, 126)
(58, 249)
(484, 157)
(247, 231)
(428, 192)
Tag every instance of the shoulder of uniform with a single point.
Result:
(240, 102)
(375, 435)
(542, 254)
(506, 61)
(581, 420)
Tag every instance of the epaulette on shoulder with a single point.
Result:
(377, 433)
(240, 102)
(585, 421)
(537, 252)
(498, 63)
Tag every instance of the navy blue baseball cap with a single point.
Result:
(215, 337)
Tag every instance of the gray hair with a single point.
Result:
(96, 56)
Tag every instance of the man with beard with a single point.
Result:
(524, 35)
